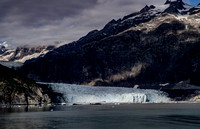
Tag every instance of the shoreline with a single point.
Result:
(95, 104)
(112, 107)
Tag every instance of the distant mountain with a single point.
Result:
(22, 54)
(157, 45)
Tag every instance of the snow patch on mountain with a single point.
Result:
(7, 55)
(28, 57)
(4, 44)
(22, 54)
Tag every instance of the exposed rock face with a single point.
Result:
(16, 89)
(195, 10)
(147, 47)
(195, 98)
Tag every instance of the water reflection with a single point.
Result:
(127, 116)
(23, 108)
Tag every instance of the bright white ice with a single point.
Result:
(87, 94)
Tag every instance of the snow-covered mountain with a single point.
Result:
(149, 12)
(22, 54)
(156, 45)
(178, 8)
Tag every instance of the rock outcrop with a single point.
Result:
(16, 89)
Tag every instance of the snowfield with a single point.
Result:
(87, 94)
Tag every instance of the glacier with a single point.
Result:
(77, 94)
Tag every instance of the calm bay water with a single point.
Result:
(125, 116)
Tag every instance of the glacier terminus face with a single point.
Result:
(86, 94)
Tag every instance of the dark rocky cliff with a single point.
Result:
(16, 89)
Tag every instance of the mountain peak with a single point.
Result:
(174, 2)
(177, 7)
(147, 8)
(179, 4)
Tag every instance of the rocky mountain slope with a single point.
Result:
(16, 89)
(157, 45)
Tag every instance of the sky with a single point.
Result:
(41, 22)
(194, 2)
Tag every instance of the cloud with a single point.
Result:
(41, 12)
(30, 22)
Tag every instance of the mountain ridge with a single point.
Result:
(146, 47)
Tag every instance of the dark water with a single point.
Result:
(127, 116)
